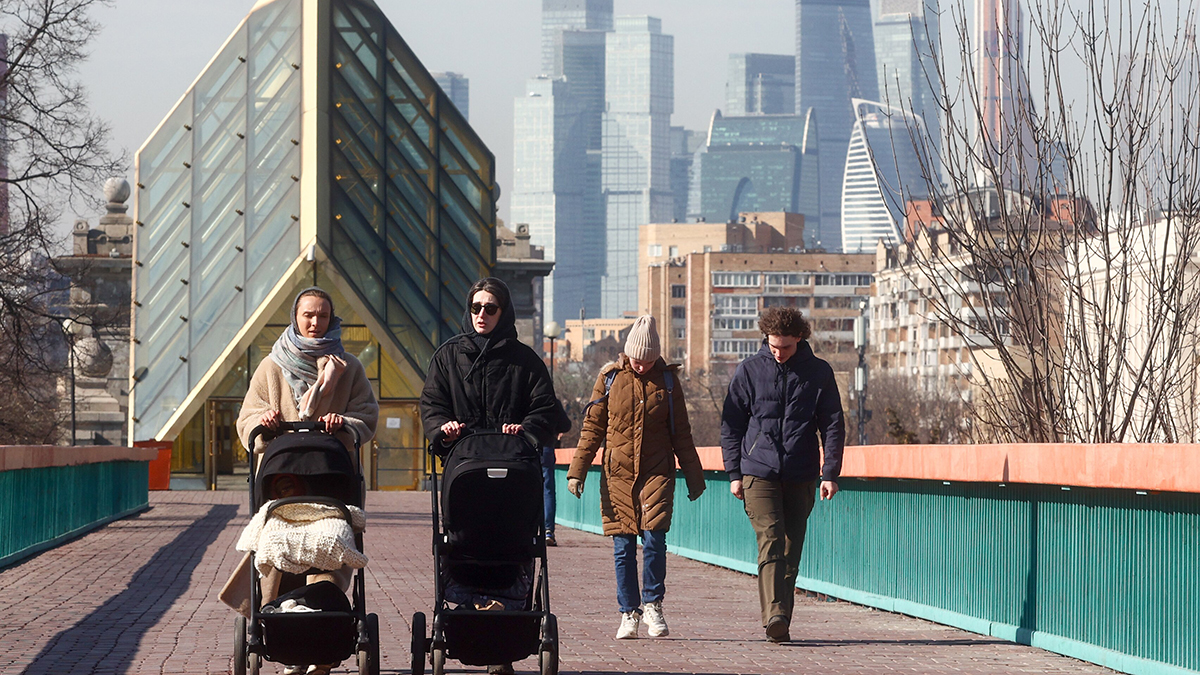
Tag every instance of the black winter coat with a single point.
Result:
(506, 382)
(773, 414)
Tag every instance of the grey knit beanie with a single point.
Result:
(642, 343)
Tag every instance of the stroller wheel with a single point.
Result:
(239, 646)
(418, 643)
(368, 656)
(548, 654)
(438, 656)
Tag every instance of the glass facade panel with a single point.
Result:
(414, 241)
(217, 202)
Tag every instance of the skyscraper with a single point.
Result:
(884, 169)
(835, 62)
(570, 15)
(557, 154)
(1006, 112)
(906, 36)
(548, 194)
(636, 152)
(762, 163)
(760, 84)
(458, 87)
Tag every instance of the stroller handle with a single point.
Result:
(525, 434)
(309, 426)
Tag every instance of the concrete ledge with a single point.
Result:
(14, 457)
(1157, 467)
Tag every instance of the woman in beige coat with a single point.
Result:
(639, 416)
(310, 376)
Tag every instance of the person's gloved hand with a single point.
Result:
(693, 496)
(575, 486)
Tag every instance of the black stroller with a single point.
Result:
(342, 629)
(487, 532)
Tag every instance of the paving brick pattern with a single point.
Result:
(140, 596)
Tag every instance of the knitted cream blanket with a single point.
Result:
(301, 536)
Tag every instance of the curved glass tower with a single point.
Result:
(883, 171)
(835, 62)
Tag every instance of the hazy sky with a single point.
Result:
(150, 51)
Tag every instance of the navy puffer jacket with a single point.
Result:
(773, 414)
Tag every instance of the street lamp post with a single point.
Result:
(70, 329)
(860, 373)
(552, 331)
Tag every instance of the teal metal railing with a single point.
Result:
(45, 506)
(1110, 576)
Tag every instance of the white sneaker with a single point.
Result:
(656, 623)
(629, 626)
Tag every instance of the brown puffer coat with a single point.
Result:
(637, 484)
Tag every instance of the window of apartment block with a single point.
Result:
(654, 250)
(589, 333)
(736, 305)
(785, 301)
(678, 291)
(842, 279)
(679, 312)
(724, 323)
(680, 333)
(678, 353)
(673, 251)
(789, 279)
(736, 279)
(739, 348)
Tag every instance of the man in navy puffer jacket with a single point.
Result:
(780, 400)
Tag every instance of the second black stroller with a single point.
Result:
(342, 628)
(488, 532)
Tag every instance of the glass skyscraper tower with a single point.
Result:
(883, 171)
(906, 37)
(557, 158)
(835, 62)
(636, 149)
(760, 84)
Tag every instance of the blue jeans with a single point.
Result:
(654, 568)
(549, 499)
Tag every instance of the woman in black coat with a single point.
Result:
(485, 378)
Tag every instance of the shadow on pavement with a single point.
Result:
(107, 639)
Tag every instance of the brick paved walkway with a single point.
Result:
(140, 596)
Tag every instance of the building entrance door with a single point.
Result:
(227, 464)
(398, 459)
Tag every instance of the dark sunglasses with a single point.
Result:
(489, 308)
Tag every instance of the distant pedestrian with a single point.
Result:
(638, 414)
(549, 460)
(780, 400)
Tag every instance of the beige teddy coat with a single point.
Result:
(352, 398)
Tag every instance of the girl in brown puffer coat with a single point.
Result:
(639, 416)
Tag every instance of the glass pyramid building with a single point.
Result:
(313, 148)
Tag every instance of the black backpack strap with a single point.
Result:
(669, 377)
(608, 382)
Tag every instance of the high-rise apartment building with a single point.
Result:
(458, 87)
(762, 84)
(906, 35)
(884, 170)
(636, 151)
(835, 62)
(708, 296)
